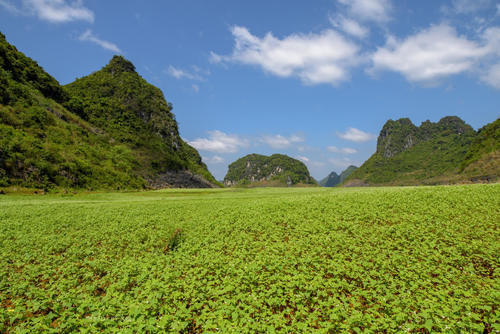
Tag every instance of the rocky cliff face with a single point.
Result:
(401, 135)
(397, 136)
(255, 168)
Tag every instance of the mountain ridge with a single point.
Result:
(432, 153)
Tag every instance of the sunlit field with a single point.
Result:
(415, 259)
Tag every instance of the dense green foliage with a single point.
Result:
(291, 260)
(261, 169)
(333, 179)
(483, 156)
(135, 112)
(430, 154)
(43, 145)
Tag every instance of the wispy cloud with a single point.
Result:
(356, 135)
(317, 164)
(467, 6)
(342, 163)
(195, 88)
(490, 73)
(88, 36)
(345, 150)
(58, 11)
(279, 141)
(492, 76)
(214, 160)
(219, 142)
(349, 26)
(10, 7)
(491, 38)
(195, 73)
(302, 158)
(314, 58)
(215, 58)
(369, 10)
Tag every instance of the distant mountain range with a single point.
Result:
(108, 130)
(274, 170)
(334, 179)
(446, 152)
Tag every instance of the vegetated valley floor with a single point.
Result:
(417, 259)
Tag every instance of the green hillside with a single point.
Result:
(482, 161)
(434, 153)
(45, 145)
(274, 170)
(135, 112)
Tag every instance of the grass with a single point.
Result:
(417, 259)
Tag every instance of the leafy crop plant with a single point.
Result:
(286, 260)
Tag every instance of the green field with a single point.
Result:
(416, 259)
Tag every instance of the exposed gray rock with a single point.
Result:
(178, 179)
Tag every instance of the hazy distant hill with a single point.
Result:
(448, 151)
(330, 181)
(261, 170)
(334, 179)
(110, 130)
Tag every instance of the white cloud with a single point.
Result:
(10, 7)
(195, 88)
(214, 160)
(88, 36)
(215, 58)
(178, 73)
(469, 6)
(302, 158)
(220, 142)
(345, 150)
(349, 26)
(369, 10)
(334, 149)
(59, 11)
(492, 76)
(348, 150)
(356, 135)
(317, 164)
(314, 58)
(491, 37)
(429, 55)
(279, 141)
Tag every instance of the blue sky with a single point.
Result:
(315, 80)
